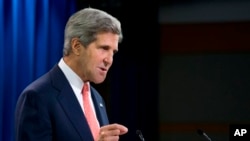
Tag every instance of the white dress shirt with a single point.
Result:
(75, 82)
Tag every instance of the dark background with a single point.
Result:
(131, 89)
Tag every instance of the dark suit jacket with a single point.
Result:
(48, 110)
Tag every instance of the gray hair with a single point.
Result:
(86, 24)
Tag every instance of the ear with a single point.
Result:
(76, 46)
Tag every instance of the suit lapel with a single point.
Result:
(70, 105)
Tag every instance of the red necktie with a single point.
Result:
(89, 113)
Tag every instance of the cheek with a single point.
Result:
(92, 61)
(98, 56)
(95, 58)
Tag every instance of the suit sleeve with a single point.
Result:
(32, 118)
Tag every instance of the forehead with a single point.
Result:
(107, 38)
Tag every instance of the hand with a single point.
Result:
(111, 132)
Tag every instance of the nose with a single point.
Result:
(108, 60)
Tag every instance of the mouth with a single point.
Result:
(103, 69)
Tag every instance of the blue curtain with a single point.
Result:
(31, 41)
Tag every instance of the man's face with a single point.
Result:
(96, 59)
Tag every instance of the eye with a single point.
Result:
(105, 48)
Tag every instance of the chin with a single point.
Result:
(98, 81)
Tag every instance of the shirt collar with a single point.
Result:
(71, 76)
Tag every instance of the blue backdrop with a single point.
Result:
(31, 41)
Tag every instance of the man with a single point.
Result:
(52, 107)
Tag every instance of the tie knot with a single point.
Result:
(85, 88)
